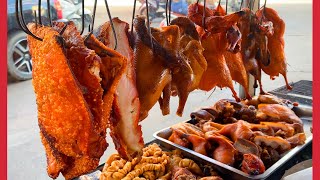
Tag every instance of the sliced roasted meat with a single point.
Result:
(127, 133)
(297, 139)
(246, 147)
(274, 142)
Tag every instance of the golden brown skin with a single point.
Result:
(127, 132)
(252, 164)
(217, 73)
(237, 130)
(215, 43)
(60, 101)
(225, 151)
(278, 63)
(150, 81)
(169, 38)
(277, 113)
(297, 139)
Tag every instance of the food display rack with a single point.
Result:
(276, 171)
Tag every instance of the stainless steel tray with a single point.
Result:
(228, 171)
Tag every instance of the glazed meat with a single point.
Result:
(252, 164)
(150, 81)
(169, 39)
(275, 142)
(225, 152)
(170, 59)
(276, 113)
(126, 131)
(278, 63)
(215, 43)
(237, 130)
(217, 73)
(247, 27)
(191, 49)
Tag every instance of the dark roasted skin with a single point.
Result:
(247, 26)
(252, 164)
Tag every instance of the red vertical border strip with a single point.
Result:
(316, 90)
(3, 90)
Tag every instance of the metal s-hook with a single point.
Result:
(93, 15)
(49, 12)
(21, 21)
(112, 25)
(204, 15)
(226, 7)
(167, 6)
(39, 12)
(170, 4)
(133, 14)
(148, 22)
(82, 15)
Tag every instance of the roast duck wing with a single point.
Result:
(71, 102)
(278, 63)
(124, 122)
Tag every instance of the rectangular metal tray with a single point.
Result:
(228, 171)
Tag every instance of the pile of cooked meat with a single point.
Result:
(83, 86)
(249, 135)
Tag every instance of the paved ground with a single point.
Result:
(26, 157)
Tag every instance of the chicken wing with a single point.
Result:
(278, 63)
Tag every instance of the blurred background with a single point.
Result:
(26, 155)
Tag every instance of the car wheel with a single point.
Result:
(19, 58)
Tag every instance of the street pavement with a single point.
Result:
(26, 155)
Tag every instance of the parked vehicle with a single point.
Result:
(72, 11)
(156, 8)
(19, 60)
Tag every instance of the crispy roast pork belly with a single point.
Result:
(74, 99)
